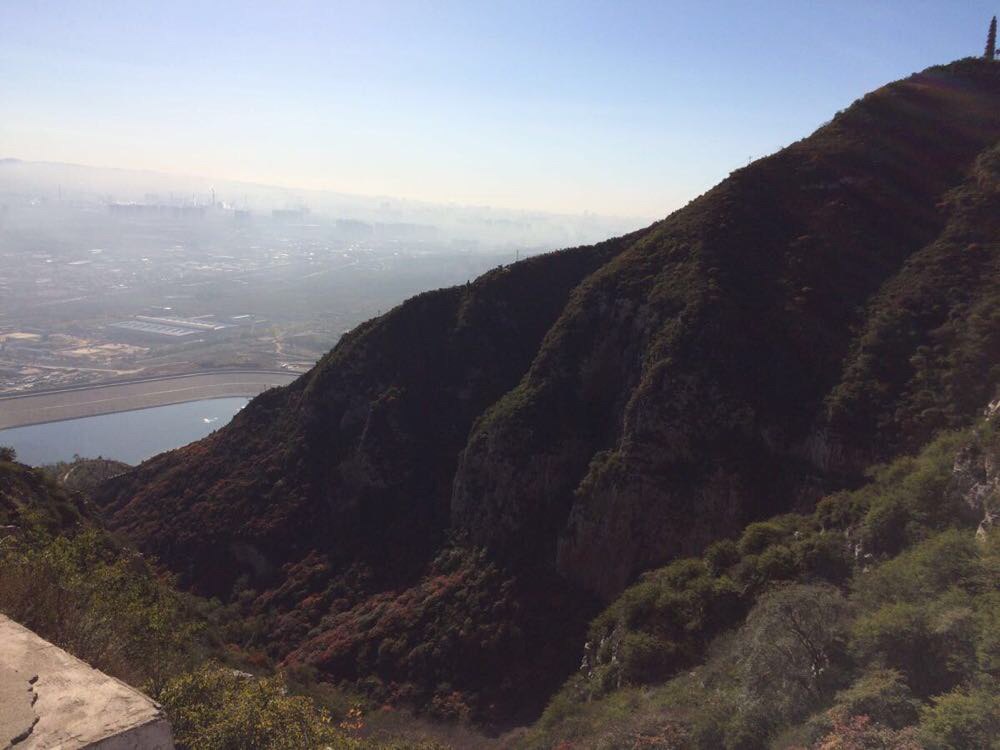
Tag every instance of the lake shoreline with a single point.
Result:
(131, 436)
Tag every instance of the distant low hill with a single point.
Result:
(436, 510)
(84, 474)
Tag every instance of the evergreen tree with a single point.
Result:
(991, 40)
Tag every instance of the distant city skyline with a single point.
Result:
(622, 108)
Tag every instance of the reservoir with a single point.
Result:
(129, 436)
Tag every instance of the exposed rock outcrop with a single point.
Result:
(977, 474)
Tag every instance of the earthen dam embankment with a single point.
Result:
(19, 410)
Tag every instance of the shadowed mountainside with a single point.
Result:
(589, 414)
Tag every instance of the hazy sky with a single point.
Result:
(616, 107)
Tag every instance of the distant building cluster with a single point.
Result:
(144, 210)
(156, 209)
(149, 327)
(143, 329)
(289, 214)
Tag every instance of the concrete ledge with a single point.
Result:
(50, 699)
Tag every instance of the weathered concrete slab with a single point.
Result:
(70, 705)
(17, 713)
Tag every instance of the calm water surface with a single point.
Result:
(130, 436)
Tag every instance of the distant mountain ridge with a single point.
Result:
(589, 414)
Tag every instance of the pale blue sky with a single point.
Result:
(616, 107)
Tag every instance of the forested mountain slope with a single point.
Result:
(871, 622)
(438, 506)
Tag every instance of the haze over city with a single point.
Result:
(622, 108)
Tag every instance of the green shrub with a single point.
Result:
(103, 604)
(792, 648)
(860, 732)
(824, 556)
(897, 636)
(885, 525)
(924, 572)
(839, 510)
(962, 720)
(921, 616)
(758, 536)
(721, 555)
(777, 563)
(883, 696)
(909, 498)
(987, 614)
(215, 708)
(646, 658)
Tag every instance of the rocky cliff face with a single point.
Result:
(587, 414)
(355, 459)
(680, 393)
(976, 482)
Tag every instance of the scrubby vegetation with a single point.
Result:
(218, 708)
(24, 491)
(98, 601)
(592, 414)
(66, 578)
(871, 623)
(931, 346)
(85, 474)
(415, 646)
(320, 528)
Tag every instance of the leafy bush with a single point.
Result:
(883, 696)
(215, 708)
(721, 555)
(84, 474)
(65, 578)
(669, 618)
(962, 720)
(987, 614)
(860, 732)
(759, 536)
(920, 616)
(909, 497)
(777, 563)
(101, 603)
(645, 657)
(791, 653)
(415, 645)
(888, 613)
